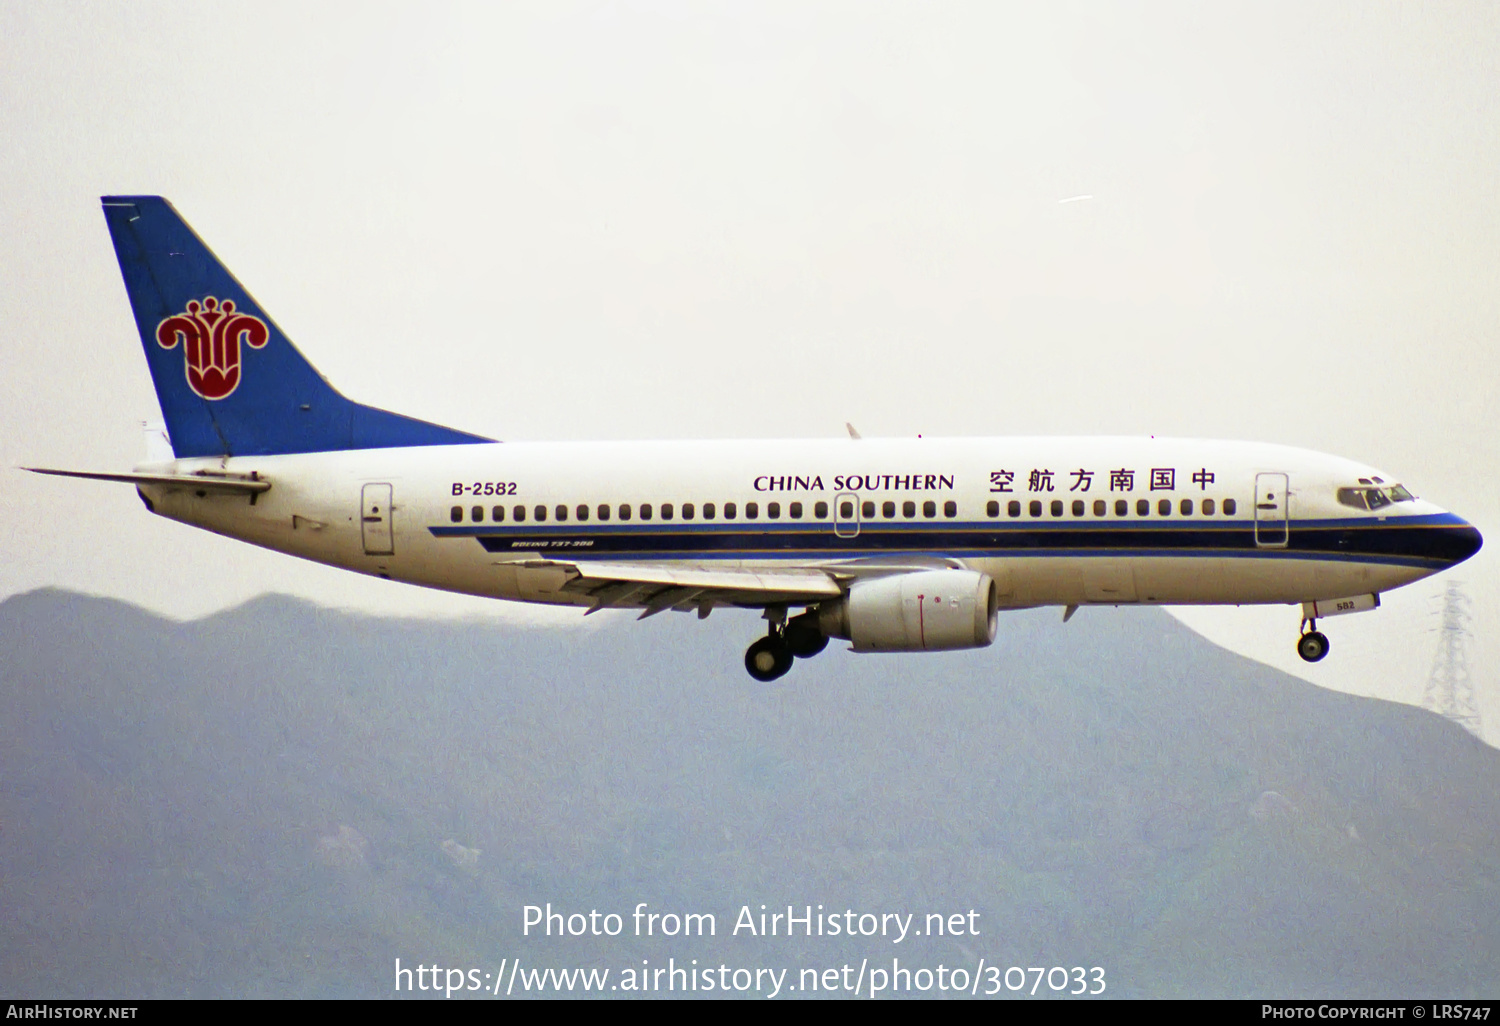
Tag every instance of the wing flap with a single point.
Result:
(658, 587)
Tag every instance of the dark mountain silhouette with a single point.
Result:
(280, 800)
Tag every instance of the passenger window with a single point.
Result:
(1100, 508)
(1186, 507)
(476, 514)
(888, 509)
(582, 511)
(708, 511)
(992, 508)
(666, 511)
(497, 514)
(456, 514)
(1013, 508)
(1229, 507)
(645, 511)
(1034, 507)
(795, 509)
(908, 509)
(929, 508)
(867, 510)
(729, 511)
(1122, 508)
(603, 511)
(1164, 507)
(1208, 507)
(773, 511)
(820, 510)
(519, 514)
(1078, 507)
(688, 511)
(846, 510)
(624, 511)
(562, 513)
(752, 510)
(1057, 507)
(541, 513)
(1142, 507)
(950, 508)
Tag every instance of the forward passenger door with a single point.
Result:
(1272, 517)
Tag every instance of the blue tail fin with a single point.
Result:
(229, 382)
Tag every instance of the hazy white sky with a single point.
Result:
(608, 220)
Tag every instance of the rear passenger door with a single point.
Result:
(376, 525)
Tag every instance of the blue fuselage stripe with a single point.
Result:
(1425, 541)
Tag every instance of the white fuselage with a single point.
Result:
(1181, 521)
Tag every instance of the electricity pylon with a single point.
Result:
(1450, 691)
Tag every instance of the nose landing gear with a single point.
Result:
(1313, 645)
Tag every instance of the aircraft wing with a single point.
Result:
(659, 588)
(201, 481)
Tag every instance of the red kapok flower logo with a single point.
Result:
(211, 333)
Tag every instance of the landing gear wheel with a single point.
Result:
(806, 646)
(1312, 646)
(803, 638)
(768, 659)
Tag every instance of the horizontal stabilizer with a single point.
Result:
(204, 481)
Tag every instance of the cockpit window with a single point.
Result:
(1373, 498)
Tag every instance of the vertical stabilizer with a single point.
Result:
(229, 382)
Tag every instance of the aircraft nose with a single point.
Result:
(1444, 540)
(1465, 541)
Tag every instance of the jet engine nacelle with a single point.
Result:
(915, 612)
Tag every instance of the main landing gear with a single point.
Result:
(798, 638)
(1313, 645)
(769, 657)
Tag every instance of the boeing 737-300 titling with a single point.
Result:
(895, 545)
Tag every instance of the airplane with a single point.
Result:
(893, 544)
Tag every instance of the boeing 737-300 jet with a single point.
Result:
(895, 545)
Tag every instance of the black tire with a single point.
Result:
(803, 639)
(768, 659)
(1312, 646)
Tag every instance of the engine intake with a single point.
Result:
(928, 610)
